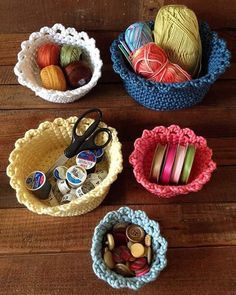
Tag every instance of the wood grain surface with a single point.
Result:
(42, 255)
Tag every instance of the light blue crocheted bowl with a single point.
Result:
(171, 96)
(159, 248)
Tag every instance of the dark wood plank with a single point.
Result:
(90, 15)
(202, 122)
(221, 95)
(125, 190)
(8, 54)
(223, 15)
(183, 225)
(224, 152)
(83, 15)
(189, 271)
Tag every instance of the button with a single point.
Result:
(149, 255)
(148, 240)
(110, 241)
(129, 244)
(125, 253)
(137, 250)
(123, 270)
(138, 264)
(120, 227)
(116, 254)
(120, 238)
(108, 259)
(142, 272)
(135, 233)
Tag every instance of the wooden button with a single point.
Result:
(135, 233)
(148, 240)
(110, 241)
(123, 270)
(137, 250)
(129, 244)
(108, 259)
(120, 227)
(149, 255)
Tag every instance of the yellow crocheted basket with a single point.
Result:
(36, 151)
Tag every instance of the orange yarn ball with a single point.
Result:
(53, 78)
(48, 54)
(152, 62)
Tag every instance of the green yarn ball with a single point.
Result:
(69, 54)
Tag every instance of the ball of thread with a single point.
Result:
(138, 34)
(78, 73)
(176, 30)
(151, 62)
(69, 54)
(52, 77)
(48, 54)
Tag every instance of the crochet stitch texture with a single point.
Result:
(48, 142)
(171, 96)
(159, 247)
(144, 148)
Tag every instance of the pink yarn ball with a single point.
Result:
(152, 62)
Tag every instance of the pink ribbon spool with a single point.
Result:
(168, 164)
(178, 164)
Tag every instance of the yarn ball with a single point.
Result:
(176, 30)
(151, 62)
(78, 73)
(48, 54)
(138, 34)
(53, 78)
(69, 54)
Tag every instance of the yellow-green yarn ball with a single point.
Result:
(176, 30)
(69, 54)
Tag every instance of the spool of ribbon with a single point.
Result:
(151, 62)
(138, 34)
(176, 30)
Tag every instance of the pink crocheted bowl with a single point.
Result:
(144, 148)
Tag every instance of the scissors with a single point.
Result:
(86, 141)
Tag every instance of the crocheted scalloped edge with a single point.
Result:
(127, 75)
(99, 192)
(70, 36)
(187, 136)
(159, 245)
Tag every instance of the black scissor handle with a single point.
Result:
(90, 143)
(92, 127)
(77, 140)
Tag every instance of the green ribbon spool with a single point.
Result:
(188, 163)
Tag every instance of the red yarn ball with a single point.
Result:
(152, 62)
(48, 54)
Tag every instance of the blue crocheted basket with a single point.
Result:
(171, 96)
(159, 248)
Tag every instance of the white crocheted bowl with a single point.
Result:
(28, 71)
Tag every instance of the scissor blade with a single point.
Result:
(59, 162)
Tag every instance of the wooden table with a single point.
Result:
(45, 255)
